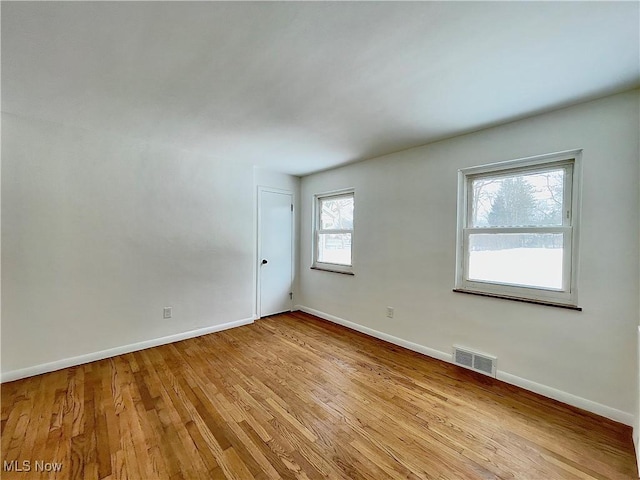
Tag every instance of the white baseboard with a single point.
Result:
(112, 352)
(568, 398)
(430, 352)
(564, 397)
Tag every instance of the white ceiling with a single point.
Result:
(301, 87)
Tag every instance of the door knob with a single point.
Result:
(264, 262)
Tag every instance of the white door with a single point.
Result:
(275, 251)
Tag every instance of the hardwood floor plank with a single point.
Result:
(294, 397)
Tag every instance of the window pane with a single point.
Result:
(518, 200)
(334, 248)
(529, 259)
(336, 213)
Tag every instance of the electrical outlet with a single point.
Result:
(167, 312)
(389, 312)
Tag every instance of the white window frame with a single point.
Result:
(317, 230)
(566, 296)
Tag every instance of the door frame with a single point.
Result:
(258, 258)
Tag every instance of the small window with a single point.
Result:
(517, 229)
(333, 246)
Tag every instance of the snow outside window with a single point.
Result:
(517, 229)
(333, 245)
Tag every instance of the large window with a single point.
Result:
(517, 229)
(334, 232)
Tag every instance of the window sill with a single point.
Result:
(322, 269)
(520, 299)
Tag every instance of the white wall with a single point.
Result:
(100, 233)
(404, 254)
(636, 425)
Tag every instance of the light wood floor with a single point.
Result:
(292, 396)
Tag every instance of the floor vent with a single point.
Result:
(476, 361)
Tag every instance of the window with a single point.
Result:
(334, 232)
(517, 229)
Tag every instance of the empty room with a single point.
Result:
(306, 240)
